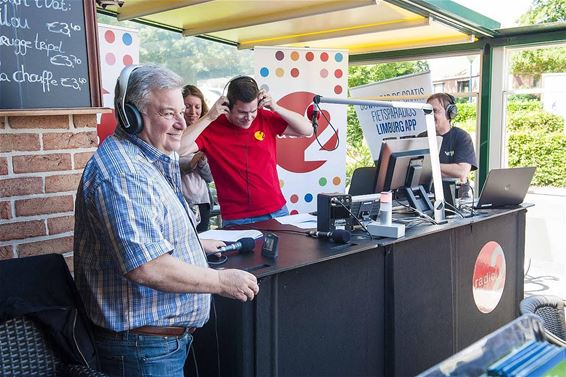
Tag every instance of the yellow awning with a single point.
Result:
(361, 26)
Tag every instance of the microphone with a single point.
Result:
(243, 245)
(338, 235)
(313, 115)
(314, 119)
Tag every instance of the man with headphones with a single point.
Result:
(457, 155)
(139, 265)
(239, 138)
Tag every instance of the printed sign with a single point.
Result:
(379, 122)
(294, 76)
(118, 47)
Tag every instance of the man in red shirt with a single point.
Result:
(238, 136)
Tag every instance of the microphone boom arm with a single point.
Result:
(439, 215)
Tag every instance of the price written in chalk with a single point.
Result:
(68, 61)
(45, 78)
(63, 28)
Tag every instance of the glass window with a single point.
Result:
(535, 135)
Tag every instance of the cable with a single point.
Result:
(221, 260)
(421, 214)
(333, 129)
(470, 208)
(216, 335)
(454, 209)
(192, 350)
(354, 217)
(292, 231)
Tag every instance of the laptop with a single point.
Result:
(505, 187)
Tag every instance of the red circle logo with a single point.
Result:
(291, 151)
(488, 280)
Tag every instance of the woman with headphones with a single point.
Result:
(457, 155)
(195, 172)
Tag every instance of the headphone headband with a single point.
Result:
(236, 78)
(123, 85)
(451, 98)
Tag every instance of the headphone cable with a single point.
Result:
(331, 126)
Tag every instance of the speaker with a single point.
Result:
(130, 117)
(451, 109)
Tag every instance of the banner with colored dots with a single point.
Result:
(118, 47)
(293, 76)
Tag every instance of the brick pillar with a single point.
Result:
(41, 162)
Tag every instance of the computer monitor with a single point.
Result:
(404, 167)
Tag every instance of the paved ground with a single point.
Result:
(545, 254)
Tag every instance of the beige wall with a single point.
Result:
(41, 162)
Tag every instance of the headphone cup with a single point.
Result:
(135, 119)
(451, 111)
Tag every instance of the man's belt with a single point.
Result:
(162, 331)
(148, 330)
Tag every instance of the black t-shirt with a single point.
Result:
(457, 147)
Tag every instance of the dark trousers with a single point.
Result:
(204, 224)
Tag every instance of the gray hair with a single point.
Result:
(147, 78)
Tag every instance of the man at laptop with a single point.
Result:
(457, 155)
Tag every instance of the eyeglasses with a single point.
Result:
(170, 114)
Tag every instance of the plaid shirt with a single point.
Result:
(130, 210)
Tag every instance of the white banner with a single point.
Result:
(294, 76)
(379, 122)
(118, 47)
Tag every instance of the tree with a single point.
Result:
(535, 62)
(544, 11)
(192, 58)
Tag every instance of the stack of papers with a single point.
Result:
(301, 220)
(230, 235)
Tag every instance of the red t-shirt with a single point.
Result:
(243, 164)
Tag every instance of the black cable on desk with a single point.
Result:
(421, 214)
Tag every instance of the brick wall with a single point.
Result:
(41, 162)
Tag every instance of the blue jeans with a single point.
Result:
(248, 220)
(125, 354)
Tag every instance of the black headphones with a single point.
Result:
(236, 78)
(451, 109)
(130, 117)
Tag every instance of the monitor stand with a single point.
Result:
(418, 199)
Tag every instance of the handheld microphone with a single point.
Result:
(337, 235)
(243, 245)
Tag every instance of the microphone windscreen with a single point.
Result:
(341, 236)
(248, 243)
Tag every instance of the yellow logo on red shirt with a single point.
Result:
(259, 135)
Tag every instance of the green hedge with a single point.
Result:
(466, 111)
(530, 105)
(546, 151)
(535, 121)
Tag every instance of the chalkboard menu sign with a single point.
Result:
(48, 54)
